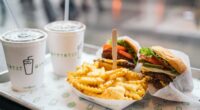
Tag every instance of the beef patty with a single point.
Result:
(157, 78)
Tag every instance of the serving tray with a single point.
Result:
(55, 93)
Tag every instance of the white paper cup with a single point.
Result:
(25, 55)
(65, 44)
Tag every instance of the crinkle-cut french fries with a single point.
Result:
(119, 84)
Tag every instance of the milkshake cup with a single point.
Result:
(25, 55)
(65, 42)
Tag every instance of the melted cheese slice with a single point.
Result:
(156, 70)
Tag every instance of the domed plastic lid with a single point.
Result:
(65, 26)
(23, 35)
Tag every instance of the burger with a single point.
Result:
(126, 52)
(161, 65)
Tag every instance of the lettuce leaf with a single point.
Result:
(109, 42)
(147, 52)
(126, 45)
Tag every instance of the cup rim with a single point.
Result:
(21, 42)
(78, 30)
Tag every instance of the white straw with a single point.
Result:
(11, 13)
(66, 18)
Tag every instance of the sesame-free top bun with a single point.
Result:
(133, 45)
(173, 60)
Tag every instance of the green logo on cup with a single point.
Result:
(64, 55)
(28, 66)
(13, 67)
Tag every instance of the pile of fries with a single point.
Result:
(119, 84)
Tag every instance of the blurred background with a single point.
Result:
(169, 23)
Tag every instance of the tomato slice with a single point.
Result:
(109, 47)
(125, 54)
(121, 48)
(152, 60)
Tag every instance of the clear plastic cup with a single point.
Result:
(25, 55)
(65, 42)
